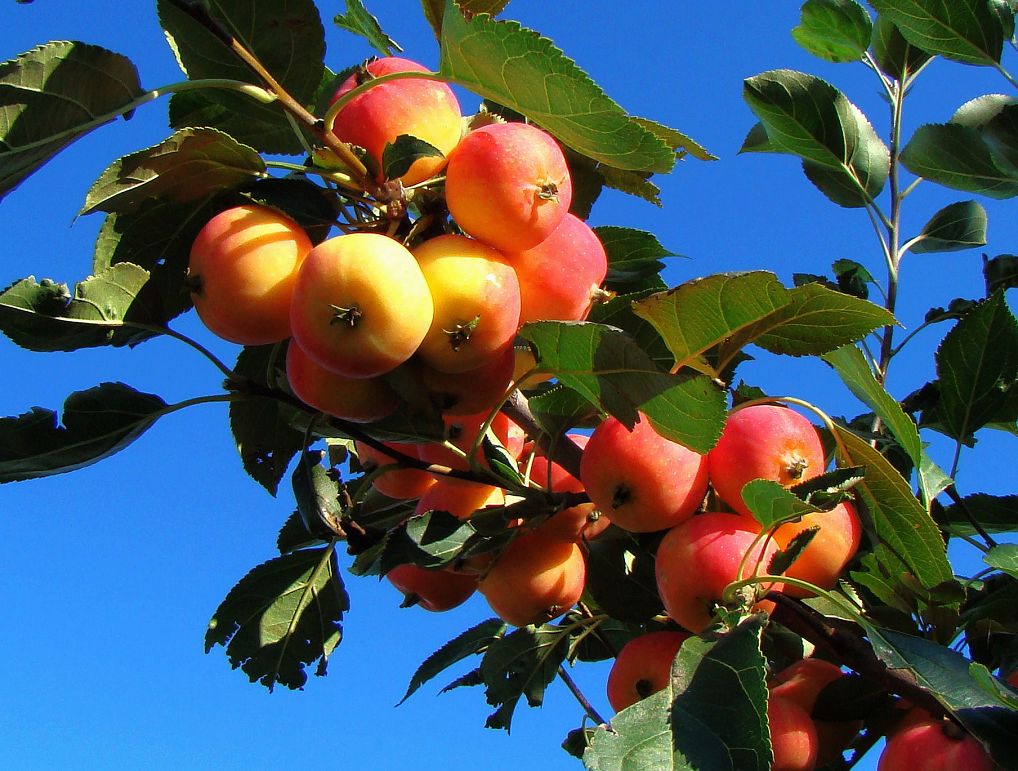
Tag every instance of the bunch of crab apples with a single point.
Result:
(370, 320)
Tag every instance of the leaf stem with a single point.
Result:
(566, 678)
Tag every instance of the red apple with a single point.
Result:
(642, 667)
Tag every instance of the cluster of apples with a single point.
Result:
(443, 309)
(361, 304)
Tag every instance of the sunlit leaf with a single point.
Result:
(110, 308)
(358, 21)
(54, 94)
(969, 32)
(957, 156)
(282, 617)
(516, 67)
(995, 513)
(893, 53)
(634, 258)
(835, 30)
(188, 166)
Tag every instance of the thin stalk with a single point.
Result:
(1007, 75)
(566, 678)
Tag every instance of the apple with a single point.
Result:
(577, 523)
(640, 480)
(508, 185)
(434, 590)
(477, 303)
(763, 441)
(561, 276)
(403, 483)
(461, 499)
(642, 667)
(361, 305)
(793, 737)
(699, 558)
(359, 400)
(462, 431)
(476, 390)
(241, 273)
(425, 109)
(933, 745)
(534, 580)
(833, 545)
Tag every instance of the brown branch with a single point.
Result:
(849, 648)
(313, 124)
(566, 452)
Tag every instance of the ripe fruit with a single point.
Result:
(461, 499)
(763, 441)
(462, 431)
(793, 737)
(241, 273)
(399, 483)
(425, 109)
(698, 559)
(642, 667)
(534, 580)
(361, 305)
(582, 521)
(933, 745)
(833, 546)
(802, 683)
(361, 400)
(641, 480)
(562, 275)
(434, 590)
(473, 391)
(508, 185)
(477, 303)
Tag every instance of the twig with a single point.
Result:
(575, 689)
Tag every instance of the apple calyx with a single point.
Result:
(350, 316)
(548, 192)
(461, 332)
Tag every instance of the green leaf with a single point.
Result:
(358, 21)
(431, 540)
(516, 67)
(105, 309)
(771, 503)
(620, 577)
(619, 312)
(263, 427)
(521, 664)
(853, 278)
(995, 513)
(291, 47)
(948, 676)
(635, 183)
(634, 259)
(818, 320)
(957, 226)
(94, 425)
(834, 30)
(469, 643)
(1003, 557)
(399, 156)
(434, 10)
(702, 313)
(810, 118)
(681, 143)
(316, 493)
(969, 32)
(899, 521)
(893, 53)
(293, 535)
(958, 157)
(188, 166)
(978, 367)
(157, 236)
(1001, 272)
(712, 715)
(44, 106)
(612, 372)
(282, 617)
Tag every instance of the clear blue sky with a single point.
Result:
(110, 574)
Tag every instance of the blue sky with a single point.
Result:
(110, 574)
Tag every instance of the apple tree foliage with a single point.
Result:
(902, 620)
